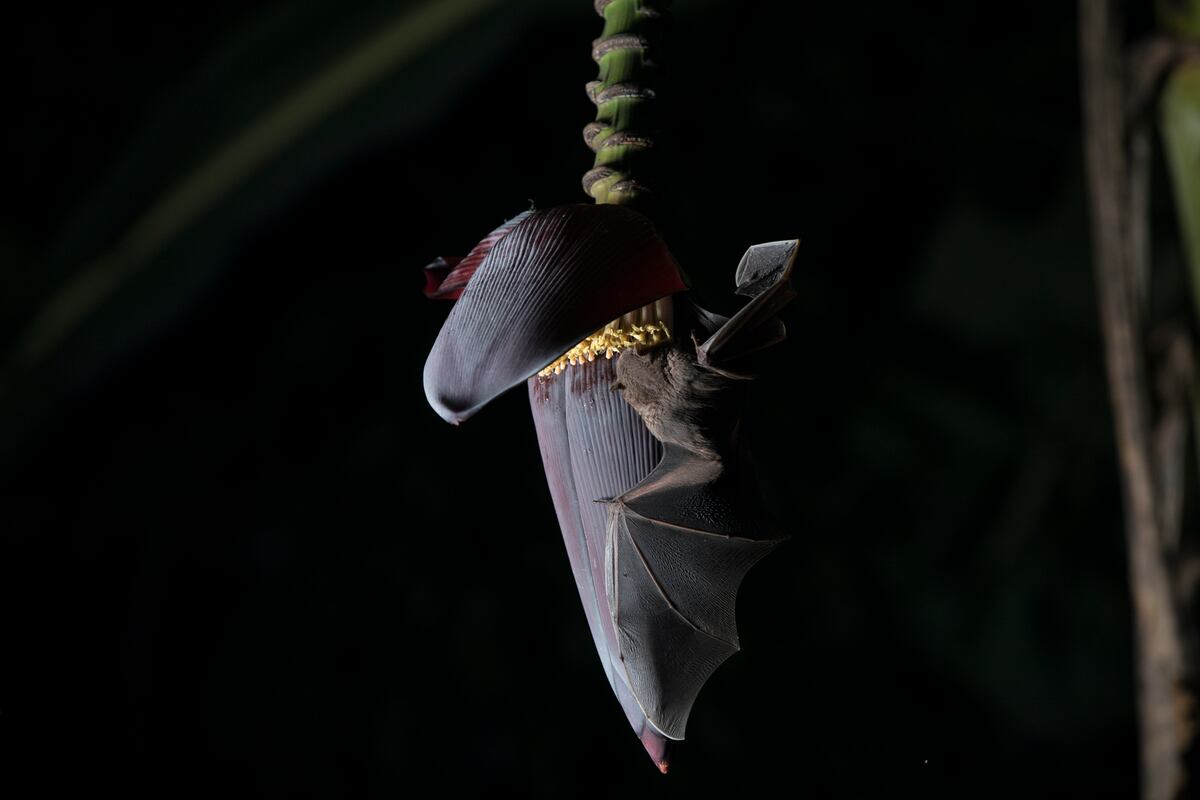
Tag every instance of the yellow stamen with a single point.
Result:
(608, 341)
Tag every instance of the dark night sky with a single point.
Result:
(239, 550)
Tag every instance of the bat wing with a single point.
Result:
(678, 546)
(764, 275)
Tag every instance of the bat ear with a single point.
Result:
(555, 276)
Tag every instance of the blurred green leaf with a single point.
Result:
(402, 39)
(1180, 17)
(1180, 117)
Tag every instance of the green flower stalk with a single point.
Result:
(621, 135)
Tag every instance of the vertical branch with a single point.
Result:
(1173, 382)
(1119, 252)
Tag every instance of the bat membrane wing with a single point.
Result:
(675, 592)
(694, 493)
(676, 555)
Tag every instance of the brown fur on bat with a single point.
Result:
(680, 542)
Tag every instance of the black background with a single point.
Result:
(239, 551)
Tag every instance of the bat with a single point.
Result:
(680, 542)
(664, 443)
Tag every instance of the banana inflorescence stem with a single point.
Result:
(621, 135)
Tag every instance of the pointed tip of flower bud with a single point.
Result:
(658, 747)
